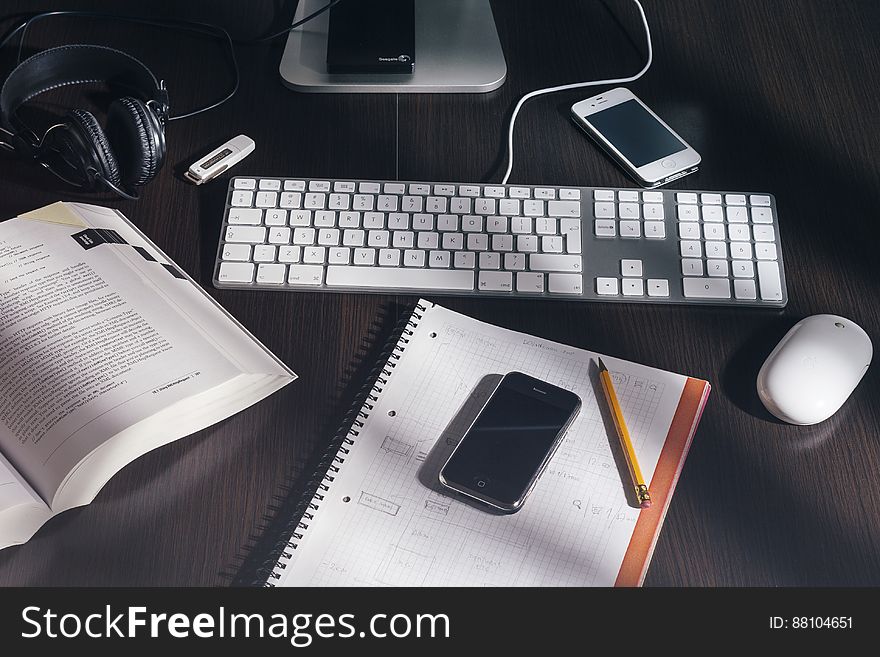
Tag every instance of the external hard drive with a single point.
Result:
(372, 37)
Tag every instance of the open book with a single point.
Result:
(107, 351)
(379, 517)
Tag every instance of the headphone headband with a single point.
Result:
(77, 64)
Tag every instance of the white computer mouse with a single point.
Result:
(814, 369)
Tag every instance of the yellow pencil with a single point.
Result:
(642, 494)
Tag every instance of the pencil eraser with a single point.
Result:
(646, 504)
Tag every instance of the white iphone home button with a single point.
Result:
(668, 163)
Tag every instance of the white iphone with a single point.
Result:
(648, 149)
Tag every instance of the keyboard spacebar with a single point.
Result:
(385, 277)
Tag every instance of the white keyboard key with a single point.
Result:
(501, 242)
(495, 192)
(496, 224)
(717, 268)
(301, 218)
(571, 229)
(759, 199)
(271, 274)
(420, 189)
(374, 220)
(290, 200)
(628, 210)
(472, 224)
(444, 190)
(570, 194)
(236, 272)
(319, 186)
(551, 244)
(606, 287)
(741, 250)
(305, 275)
(250, 234)
(340, 255)
(630, 229)
(509, 207)
(315, 201)
(363, 202)
(658, 287)
(270, 185)
(395, 188)
(529, 282)
(739, 233)
(713, 213)
(655, 230)
(276, 217)
(628, 196)
(744, 289)
(440, 259)
(633, 287)
(432, 240)
(344, 187)
(710, 199)
(519, 192)
(394, 277)
(691, 249)
(349, 219)
(603, 195)
(328, 237)
(437, 204)
(566, 283)
(765, 251)
(564, 208)
(688, 212)
(604, 210)
(325, 219)
(770, 281)
(469, 190)
(413, 258)
(460, 205)
(496, 281)
(545, 226)
(264, 253)
(706, 288)
(266, 199)
(533, 208)
(743, 269)
(304, 236)
(762, 216)
(480, 242)
(735, 199)
(454, 241)
(545, 192)
(687, 198)
(294, 185)
(378, 238)
(490, 260)
(419, 222)
(605, 228)
(689, 230)
(652, 197)
(339, 202)
(387, 203)
(765, 233)
(447, 222)
(242, 199)
(484, 206)
(387, 258)
(245, 216)
(631, 268)
(314, 255)
(464, 259)
(716, 250)
(652, 211)
(369, 188)
(354, 237)
(514, 261)
(289, 254)
(737, 215)
(692, 267)
(552, 262)
(364, 257)
(241, 252)
(412, 204)
(244, 183)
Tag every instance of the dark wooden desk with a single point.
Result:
(779, 96)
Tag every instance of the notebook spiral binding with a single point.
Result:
(340, 446)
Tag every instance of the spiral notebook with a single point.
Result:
(378, 516)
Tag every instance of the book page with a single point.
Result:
(385, 519)
(86, 349)
(21, 509)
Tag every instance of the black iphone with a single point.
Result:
(504, 451)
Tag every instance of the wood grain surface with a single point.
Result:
(779, 96)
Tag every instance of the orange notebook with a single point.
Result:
(377, 516)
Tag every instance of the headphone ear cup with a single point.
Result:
(138, 139)
(88, 143)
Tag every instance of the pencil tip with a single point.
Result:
(602, 367)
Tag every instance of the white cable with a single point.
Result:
(577, 85)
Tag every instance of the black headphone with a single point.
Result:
(126, 153)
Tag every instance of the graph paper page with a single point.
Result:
(385, 519)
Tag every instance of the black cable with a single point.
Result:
(303, 21)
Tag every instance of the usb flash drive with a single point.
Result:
(220, 159)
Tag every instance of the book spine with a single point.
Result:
(341, 445)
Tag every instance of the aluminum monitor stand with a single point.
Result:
(457, 51)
